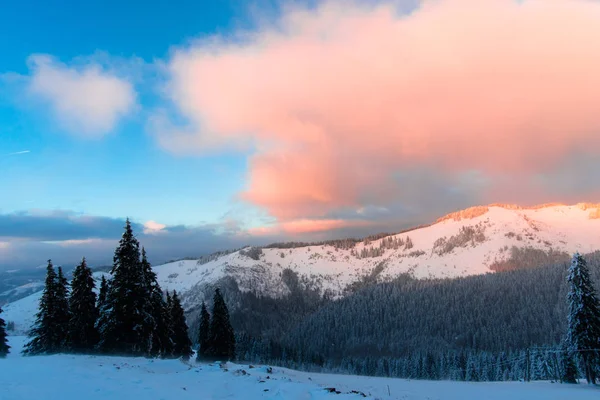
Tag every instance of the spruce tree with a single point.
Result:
(204, 333)
(126, 323)
(182, 345)
(63, 314)
(583, 333)
(4, 347)
(83, 335)
(222, 338)
(43, 335)
(102, 293)
(162, 345)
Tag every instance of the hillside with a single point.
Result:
(475, 241)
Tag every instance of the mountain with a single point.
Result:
(474, 241)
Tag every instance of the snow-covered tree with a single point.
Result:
(182, 345)
(583, 333)
(83, 335)
(203, 333)
(4, 347)
(222, 337)
(126, 323)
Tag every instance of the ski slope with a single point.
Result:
(71, 377)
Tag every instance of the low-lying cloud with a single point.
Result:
(336, 100)
(28, 239)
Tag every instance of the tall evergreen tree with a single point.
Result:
(583, 334)
(204, 333)
(125, 324)
(4, 347)
(222, 337)
(63, 314)
(45, 335)
(102, 293)
(182, 345)
(162, 345)
(83, 335)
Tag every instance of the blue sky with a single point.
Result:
(215, 124)
(117, 175)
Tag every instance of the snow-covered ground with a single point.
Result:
(70, 377)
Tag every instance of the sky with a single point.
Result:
(214, 125)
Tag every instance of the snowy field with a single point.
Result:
(67, 377)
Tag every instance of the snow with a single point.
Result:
(68, 377)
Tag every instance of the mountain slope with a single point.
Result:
(470, 242)
(475, 241)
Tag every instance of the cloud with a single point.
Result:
(334, 101)
(28, 239)
(152, 227)
(16, 153)
(58, 225)
(303, 226)
(87, 99)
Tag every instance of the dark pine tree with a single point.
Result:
(204, 333)
(222, 338)
(583, 333)
(4, 347)
(83, 335)
(125, 324)
(102, 293)
(162, 345)
(63, 314)
(182, 345)
(44, 335)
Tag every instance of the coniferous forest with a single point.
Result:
(131, 316)
(504, 326)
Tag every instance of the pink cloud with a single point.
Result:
(337, 98)
(302, 226)
(152, 228)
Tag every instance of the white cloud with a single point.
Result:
(88, 100)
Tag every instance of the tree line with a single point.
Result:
(131, 316)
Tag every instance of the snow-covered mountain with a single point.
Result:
(474, 241)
